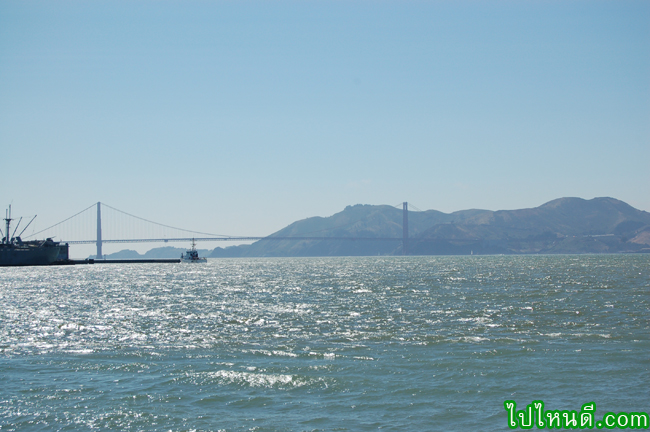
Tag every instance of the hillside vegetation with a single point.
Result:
(565, 225)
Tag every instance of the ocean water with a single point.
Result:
(321, 344)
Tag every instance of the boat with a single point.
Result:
(16, 252)
(192, 255)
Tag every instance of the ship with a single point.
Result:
(16, 252)
(192, 255)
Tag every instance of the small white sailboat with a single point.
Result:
(192, 255)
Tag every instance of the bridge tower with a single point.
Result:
(405, 228)
(99, 231)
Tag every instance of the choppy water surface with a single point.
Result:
(413, 343)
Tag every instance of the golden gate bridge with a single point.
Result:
(101, 223)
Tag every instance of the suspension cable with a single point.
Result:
(163, 225)
(56, 224)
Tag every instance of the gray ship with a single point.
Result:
(16, 252)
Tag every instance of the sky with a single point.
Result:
(240, 117)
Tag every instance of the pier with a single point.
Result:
(118, 261)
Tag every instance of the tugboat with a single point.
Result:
(192, 255)
(16, 252)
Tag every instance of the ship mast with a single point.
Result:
(30, 222)
(8, 220)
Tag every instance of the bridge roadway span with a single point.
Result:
(231, 239)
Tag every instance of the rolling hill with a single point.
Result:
(565, 225)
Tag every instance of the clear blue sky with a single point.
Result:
(240, 117)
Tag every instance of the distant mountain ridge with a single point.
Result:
(564, 225)
(161, 252)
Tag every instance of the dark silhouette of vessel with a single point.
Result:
(16, 252)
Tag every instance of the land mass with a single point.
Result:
(561, 226)
(156, 253)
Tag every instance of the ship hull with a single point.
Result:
(11, 255)
(194, 260)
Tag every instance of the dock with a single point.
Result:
(118, 261)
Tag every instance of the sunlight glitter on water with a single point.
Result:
(318, 344)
